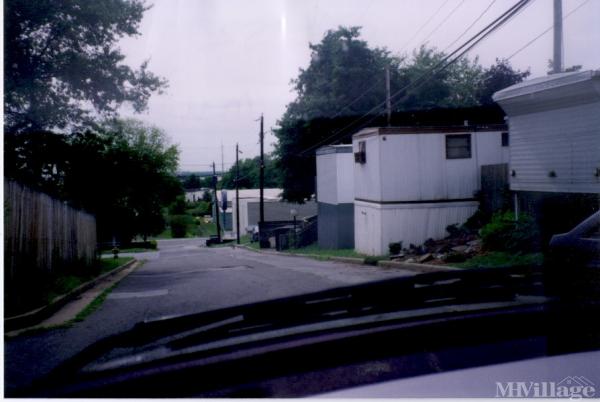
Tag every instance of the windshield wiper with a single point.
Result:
(448, 288)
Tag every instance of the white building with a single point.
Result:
(554, 164)
(410, 183)
(275, 208)
(555, 133)
(335, 196)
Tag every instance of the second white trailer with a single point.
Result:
(410, 183)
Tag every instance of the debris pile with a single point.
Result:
(454, 248)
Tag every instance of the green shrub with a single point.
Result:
(179, 225)
(395, 248)
(476, 221)
(504, 233)
(200, 208)
(178, 206)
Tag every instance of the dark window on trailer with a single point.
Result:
(458, 146)
(361, 155)
(505, 142)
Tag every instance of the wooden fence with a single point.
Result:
(42, 234)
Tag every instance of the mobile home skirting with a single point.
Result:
(336, 225)
(379, 224)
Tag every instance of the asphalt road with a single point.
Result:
(185, 278)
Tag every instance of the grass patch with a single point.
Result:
(246, 240)
(165, 234)
(194, 228)
(93, 306)
(496, 259)
(108, 264)
(130, 250)
(324, 253)
(205, 229)
(105, 266)
(44, 290)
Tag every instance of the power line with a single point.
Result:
(443, 22)
(482, 34)
(470, 26)
(423, 26)
(379, 81)
(546, 31)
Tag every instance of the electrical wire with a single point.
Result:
(423, 26)
(470, 26)
(443, 22)
(546, 31)
(380, 81)
(482, 34)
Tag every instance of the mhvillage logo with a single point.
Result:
(569, 387)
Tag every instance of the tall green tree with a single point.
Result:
(498, 76)
(191, 182)
(343, 71)
(345, 80)
(62, 64)
(250, 173)
(124, 174)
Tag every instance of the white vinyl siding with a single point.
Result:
(565, 141)
(381, 225)
(402, 173)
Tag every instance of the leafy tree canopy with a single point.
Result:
(191, 182)
(62, 65)
(123, 173)
(498, 76)
(250, 174)
(346, 80)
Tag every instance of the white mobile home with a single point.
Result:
(555, 133)
(335, 196)
(410, 183)
(554, 164)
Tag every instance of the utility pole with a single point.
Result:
(216, 203)
(388, 100)
(237, 194)
(222, 159)
(557, 61)
(262, 184)
(262, 171)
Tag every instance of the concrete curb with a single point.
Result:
(409, 266)
(348, 260)
(315, 256)
(36, 316)
(412, 266)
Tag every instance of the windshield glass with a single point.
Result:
(176, 158)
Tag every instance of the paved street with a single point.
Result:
(185, 278)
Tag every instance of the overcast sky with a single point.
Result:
(228, 61)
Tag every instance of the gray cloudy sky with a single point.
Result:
(228, 61)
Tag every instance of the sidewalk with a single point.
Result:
(146, 255)
(70, 310)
